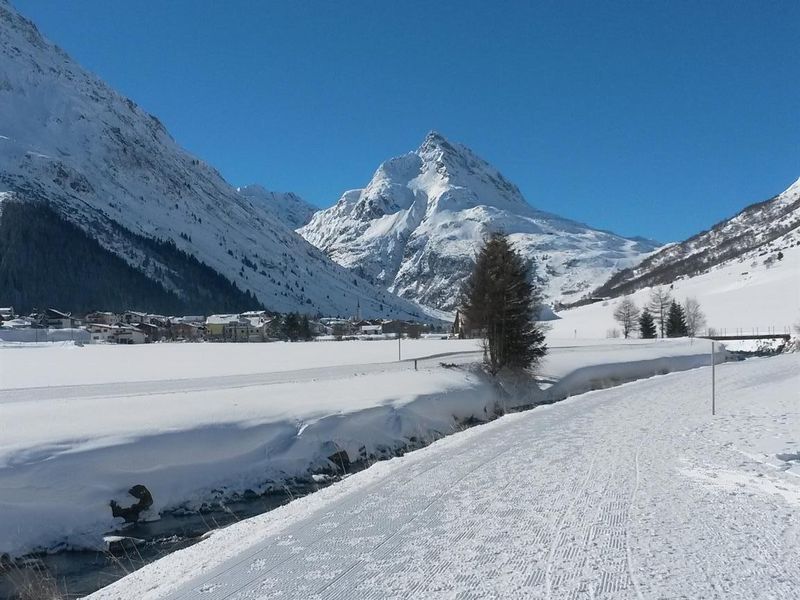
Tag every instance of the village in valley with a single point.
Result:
(135, 327)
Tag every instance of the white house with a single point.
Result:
(123, 334)
(100, 332)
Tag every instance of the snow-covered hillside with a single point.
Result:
(105, 165)
(417, 225)
(755, 293)
(287, 207)
(751, 237)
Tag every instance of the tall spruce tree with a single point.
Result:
(647, 326)
(500, 299)
(676, 321)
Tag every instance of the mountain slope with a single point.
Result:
(106, 166)
(760, 230)
(33, 273)
(417, 225)
(286, 207)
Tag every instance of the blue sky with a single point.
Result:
(647, 118)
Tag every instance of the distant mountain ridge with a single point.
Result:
(286, 207)
(104, 165)
(416, 227)
(762, 228)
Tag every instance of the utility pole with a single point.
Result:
(713, 382)
(399, 337)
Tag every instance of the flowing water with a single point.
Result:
(76, 573)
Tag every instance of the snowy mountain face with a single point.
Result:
(757, 234)
(105, 165)
(419, 223)
(287, 207)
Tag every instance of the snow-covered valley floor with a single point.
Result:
(204, 424)
(630, 492)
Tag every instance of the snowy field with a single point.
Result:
(187, 420)
(631, 492)
(71, 365)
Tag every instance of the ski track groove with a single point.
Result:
(557, 530)
(628, 553)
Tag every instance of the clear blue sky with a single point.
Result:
(647, 118)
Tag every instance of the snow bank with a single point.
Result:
(65, 460)
(604, 367)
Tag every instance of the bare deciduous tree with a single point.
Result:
(627, 315)
(660, 299)
(694, 316)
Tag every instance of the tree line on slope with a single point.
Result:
(46, 261)
(661, 314)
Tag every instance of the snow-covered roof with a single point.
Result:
(13, 323)
(221, 319)
(189, 319)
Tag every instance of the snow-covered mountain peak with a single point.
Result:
(458, 167)
(418, 223)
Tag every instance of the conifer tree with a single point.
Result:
(500, 299)
(676, 321)
(291, 327)
(275, 329)
(305, 328)
(647, 327)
